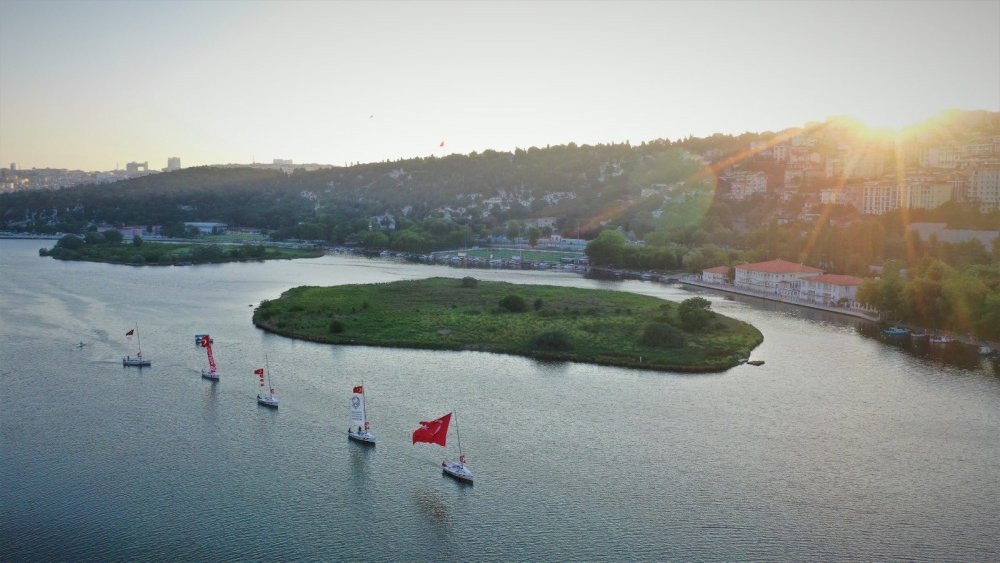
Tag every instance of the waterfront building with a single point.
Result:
(829, 289)
(715, 275)
(774, 276)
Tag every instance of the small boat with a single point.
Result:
(138, 360)
(895, 331)
(212, 373)
(359, 418)
(941, 339)
(267, 399)
(919, 335)
(985, 350)
(436, 432)
(755, 362)
(80, 345)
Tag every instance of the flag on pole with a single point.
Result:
(130, 332)
(258, 371)
(433, 432)
(442, 144)
(359, 389)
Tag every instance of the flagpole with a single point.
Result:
(138, 338)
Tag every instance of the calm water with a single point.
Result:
(839, 447)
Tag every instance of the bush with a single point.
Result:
(662, 335)
(138, 259)
(469, 282)
(539, 304)
(70, 242)
(552, 340)
(694, 313)
(336, 327)
(514, 304)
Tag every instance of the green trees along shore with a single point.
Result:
(108, 247)
(545, 322)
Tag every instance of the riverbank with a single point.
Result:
(544, 322)
(693, 281)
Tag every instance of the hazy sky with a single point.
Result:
(88, 84)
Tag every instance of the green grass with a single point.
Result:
(602, 327)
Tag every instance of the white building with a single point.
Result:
(715, 275)
(829, 289)
(744, 184)
(774, 276)
(984, 187)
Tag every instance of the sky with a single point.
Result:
(91, 85)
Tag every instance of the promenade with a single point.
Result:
(862, 314)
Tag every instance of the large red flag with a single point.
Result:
(359, 390)
(433, 432)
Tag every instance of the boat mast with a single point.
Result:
(138, 338)
(364, 407)
(268, 365)
(458, 435)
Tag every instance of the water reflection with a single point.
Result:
(952, 354)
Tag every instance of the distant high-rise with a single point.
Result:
(13, 167)
(173, 163)
(282, 161)
(133, 167)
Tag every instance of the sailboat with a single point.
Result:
(267, 399)
(212, 373)
(359, 418)
(138, 360)
(436, 432)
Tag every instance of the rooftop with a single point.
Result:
(779, 267)
(836, 279)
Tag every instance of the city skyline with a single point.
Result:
(86, 85)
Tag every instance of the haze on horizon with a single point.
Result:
(87, 85)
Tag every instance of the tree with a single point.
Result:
(136, 240)
(513, 230)
(607, 249)
(514, 303)
(70, 242)
(694, 313)
(113, 236)
(534, 233)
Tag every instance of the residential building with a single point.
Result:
(173, 163)
(984, 187)
(744, 184)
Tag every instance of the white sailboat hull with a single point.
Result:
(213, 375)
(457, 471)
(362, 437)
(138, 362)
(268, 401)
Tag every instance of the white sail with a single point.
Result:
(357, 408)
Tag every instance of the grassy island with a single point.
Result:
(140, 253)
(545, 322)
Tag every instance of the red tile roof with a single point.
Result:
(835, 279)
(717, 270)
(779, 267)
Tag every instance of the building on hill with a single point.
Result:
(829, 289)
(775, 276)
(983, 187)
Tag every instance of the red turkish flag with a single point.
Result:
(259, 371)
(204, 341)
(442, 144)
(359, 389)
(433, 432)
